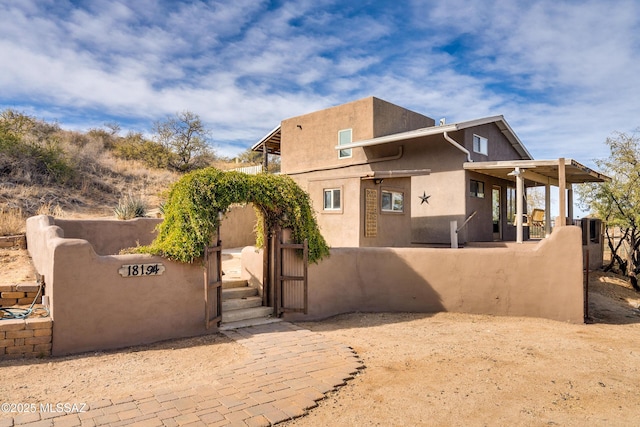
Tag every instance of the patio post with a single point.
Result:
(547, 209)
(562, 193)
(519, 204)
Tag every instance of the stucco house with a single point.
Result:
(382, 175)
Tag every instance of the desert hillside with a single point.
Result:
(45, 169)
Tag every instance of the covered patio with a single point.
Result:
(562, 173)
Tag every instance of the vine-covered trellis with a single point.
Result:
(195, 201)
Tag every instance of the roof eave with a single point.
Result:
(267, 137)
(435, 130)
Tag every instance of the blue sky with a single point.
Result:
(565, 74)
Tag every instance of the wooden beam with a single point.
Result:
(562, 193)
(536, 177)
(519, 205)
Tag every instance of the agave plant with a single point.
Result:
(130, 207)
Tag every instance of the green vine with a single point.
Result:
(191, 212)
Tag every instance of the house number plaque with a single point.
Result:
(138, 270)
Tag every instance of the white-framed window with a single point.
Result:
(476, 189)
(392, 201)
(344, 137)
(480, 145)
(332, 199)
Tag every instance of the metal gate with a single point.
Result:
(291, 287)
(213, 283)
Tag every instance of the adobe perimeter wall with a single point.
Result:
(110, 236)
(537, 280)
(94, 308)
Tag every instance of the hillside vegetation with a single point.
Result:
(45, 169)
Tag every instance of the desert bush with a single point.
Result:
(30, 146)
(25, 126)
(130, 207)
(104, 137)
(11, 222)
(135, 147)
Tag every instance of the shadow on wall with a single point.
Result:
(536, 280)
(368, 280)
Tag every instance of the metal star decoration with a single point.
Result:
(424, 198)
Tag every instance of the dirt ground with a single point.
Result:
(439, 369)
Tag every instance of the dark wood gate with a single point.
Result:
(213, 283)
(291, 292)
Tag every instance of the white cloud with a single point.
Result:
(564, 75)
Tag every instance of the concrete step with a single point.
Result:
(234, 293)
(228, 283)
(238, 303)
(247, 323)
(245, 313)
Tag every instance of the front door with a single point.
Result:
(496, 209)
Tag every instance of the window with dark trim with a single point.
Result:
(392, 201)
(511, 205)
(476, 189)
(480, 145)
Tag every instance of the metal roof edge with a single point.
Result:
(435, 130)
(266, 137)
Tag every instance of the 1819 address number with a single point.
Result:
(138, 270)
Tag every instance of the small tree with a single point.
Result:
(617, 202)
(186, 137)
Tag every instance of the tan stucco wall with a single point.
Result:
(394, 228)
(110, 236)
(340, 228)
(308, 141)
(389, 118)
(94, 308)
(238, 227)
(252, 262)
(538, 280)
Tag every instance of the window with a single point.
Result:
(332, 199)
(392, 201)
(511, 205)
(344, 137)
(477, 189)
(595, 225)
(480, 145)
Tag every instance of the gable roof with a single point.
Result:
(499, 121)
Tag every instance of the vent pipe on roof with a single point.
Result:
(458, 146)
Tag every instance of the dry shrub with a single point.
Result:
(12, 222)
(51, 210)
